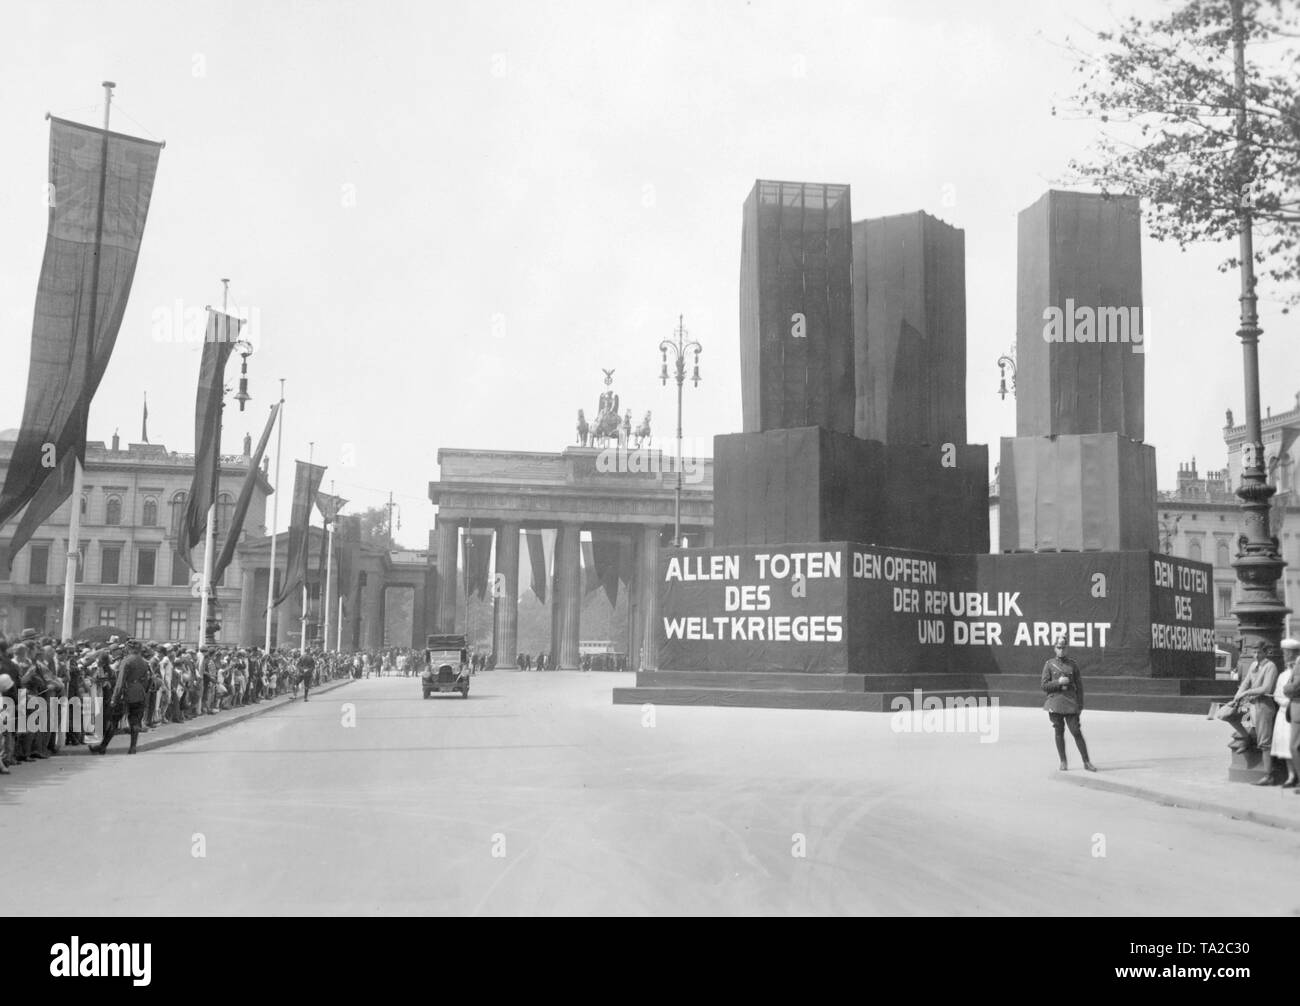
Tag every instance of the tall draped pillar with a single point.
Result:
(505, 635)
(250, 628)
(645, 648)
(448, 547)
(566, 611)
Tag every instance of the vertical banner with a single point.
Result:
(245, 498)
(306, 483)
(478, 549)
(537, 562)
(100, 187)
(218, 342)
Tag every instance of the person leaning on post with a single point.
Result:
(1255, 693)
(1064, 687)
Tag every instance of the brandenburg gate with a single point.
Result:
(616, 491)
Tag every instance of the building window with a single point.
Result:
(108, 616)
(1221, 557)
(110, 558)
(39, 566)
(178, 620)
(145, 560)
(180, 570)
(150, 517)
(178, 513)
(225, 506)
(1194, 550)
(113, 510)
(1225, 602)
(143, 623)
(4, 561)
(83, 506)
(81, 562)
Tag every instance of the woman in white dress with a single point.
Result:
(1281, 747)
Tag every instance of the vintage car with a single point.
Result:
(446, 665)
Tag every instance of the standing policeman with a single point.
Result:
(1064, 687)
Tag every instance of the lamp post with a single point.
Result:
(680, 346)
(1259, 611)
(1007, 361)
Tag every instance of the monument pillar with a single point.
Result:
(566, 613)
(505, 631)
(448, 546)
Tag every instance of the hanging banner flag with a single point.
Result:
(589, 579)
(100, 186)
(329, 507)
(306, 483)
(537, 560)
(611, 554)
(218, 342)
(245, 498)
(144, 421)
(478, 548)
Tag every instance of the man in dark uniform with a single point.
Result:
(1064, 687)
(307, 666)
(131, 691)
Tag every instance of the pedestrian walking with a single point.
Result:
(130, 693)
(1064, 687)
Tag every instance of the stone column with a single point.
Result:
(566, 611)
(645, 626)
(248, 623)
(448, 545)
(505, 634)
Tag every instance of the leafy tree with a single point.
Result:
(374, 526)
(1208, 152)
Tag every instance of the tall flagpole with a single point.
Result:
(74, 522)
(209, 535)
(270, 574)
(306, 544)
(329, 564)
(338, 633)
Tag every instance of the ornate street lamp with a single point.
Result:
(1007, 360)
(680, 348)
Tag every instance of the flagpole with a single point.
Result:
(209, 536)
(74, 521)
(329, 565)
(270, 574)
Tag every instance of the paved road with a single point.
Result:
(538, 796)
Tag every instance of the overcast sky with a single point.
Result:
(449, 217)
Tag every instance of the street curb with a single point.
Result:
(208, 728)
(1192, 803)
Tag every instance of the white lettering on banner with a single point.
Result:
(970, 604)
(810, 565)
(872, 566)
(1181, 637)
(1078, 635)
(688, 568)
(756, 628)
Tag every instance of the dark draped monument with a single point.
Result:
(850, 561)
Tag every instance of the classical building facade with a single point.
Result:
(129, 575)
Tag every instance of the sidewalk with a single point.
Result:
(1190, 770)
(174, 733)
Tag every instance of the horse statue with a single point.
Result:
(642, 432)
(607, 421)
(583, 429)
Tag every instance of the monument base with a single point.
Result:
(851, 626)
